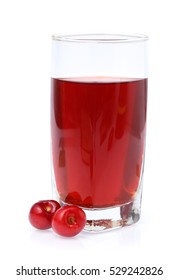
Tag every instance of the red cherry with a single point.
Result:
(69, 221)
(73, 198)
(41, 213)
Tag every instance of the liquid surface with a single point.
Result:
(98, 137)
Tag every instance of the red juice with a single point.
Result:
(98, 139)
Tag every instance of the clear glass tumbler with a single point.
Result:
(98, 125)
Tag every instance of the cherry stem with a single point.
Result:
(71, 220)
(48, 208)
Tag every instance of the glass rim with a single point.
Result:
(100, 38)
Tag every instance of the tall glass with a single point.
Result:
(98, 125)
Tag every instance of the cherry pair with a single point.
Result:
(66, 221)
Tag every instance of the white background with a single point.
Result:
(25, 52)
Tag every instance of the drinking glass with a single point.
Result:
(98, 125)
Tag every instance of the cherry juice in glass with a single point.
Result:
(98, 137)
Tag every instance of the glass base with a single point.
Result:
(111, 218)
(103, 219)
